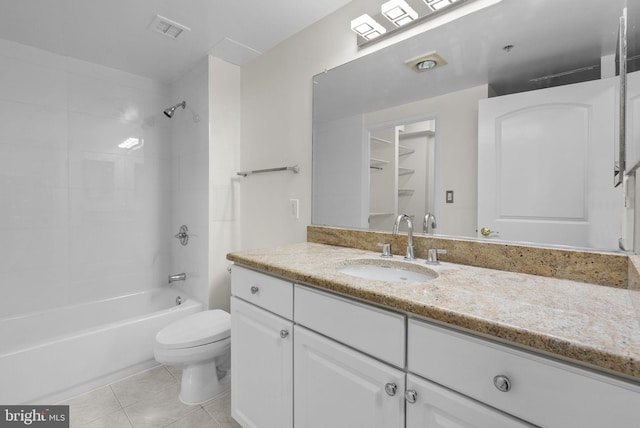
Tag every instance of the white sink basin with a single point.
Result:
(387, 270)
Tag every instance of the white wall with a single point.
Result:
(190, 185)
(80, 218)
(276, 125)
(224, 148)
(341, 173)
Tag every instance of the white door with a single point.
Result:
(338, 387)
(545, 166)
(433, 406)
(261, 367)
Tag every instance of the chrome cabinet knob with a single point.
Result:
(411, 396)
(502, 383)
(391, 389)
(254, 289)
(284, 333)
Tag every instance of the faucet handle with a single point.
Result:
(386, 250)
(432, 255)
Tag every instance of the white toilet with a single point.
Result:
(200, 344)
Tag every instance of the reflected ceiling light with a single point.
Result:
(132, 143)
(367, 27)
(426, 62)
(438, 4)
(398, 12)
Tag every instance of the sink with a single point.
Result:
(387, 270)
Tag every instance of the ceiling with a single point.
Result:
(115, 33)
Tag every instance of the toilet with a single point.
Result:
(200, 345)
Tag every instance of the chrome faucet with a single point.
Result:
(177, 277)
(396, 226)
(429, 220)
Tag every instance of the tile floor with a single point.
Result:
(148, 400)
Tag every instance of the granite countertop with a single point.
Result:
(589, 324)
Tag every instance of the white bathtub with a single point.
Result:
(52, 355)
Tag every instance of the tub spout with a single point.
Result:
(177, 277)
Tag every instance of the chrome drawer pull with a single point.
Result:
(254, 289)
(411, 396)
(502, 383)
(284, 333)
(391, 389)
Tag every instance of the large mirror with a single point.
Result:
(513, 139)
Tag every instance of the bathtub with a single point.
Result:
(52, 355)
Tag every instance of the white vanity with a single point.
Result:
(305, 356)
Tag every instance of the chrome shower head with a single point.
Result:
(169, 112)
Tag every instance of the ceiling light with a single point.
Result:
(398, 12)
(367, 27)
(426, 62)
(438, 4)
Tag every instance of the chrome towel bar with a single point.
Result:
(295, 169)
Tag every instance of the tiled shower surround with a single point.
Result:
(81, 218)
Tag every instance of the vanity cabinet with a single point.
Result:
(261, 350)
(323, 360)
(433, 406)
(539, 390)
(336, 386)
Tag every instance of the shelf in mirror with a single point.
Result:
(404, 151)
(405, 171)
(377, 163)
(380, 140)
(405, 135)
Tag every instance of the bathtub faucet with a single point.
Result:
(177, 277)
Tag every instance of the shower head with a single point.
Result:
(169, 112)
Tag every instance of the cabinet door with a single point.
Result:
(438, 407)
(261, 367)
(336, 386)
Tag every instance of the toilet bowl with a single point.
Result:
(200, 345)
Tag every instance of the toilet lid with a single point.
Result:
(195, 330)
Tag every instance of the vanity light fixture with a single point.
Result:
(438, 4)
(398, 12)
(367, 27)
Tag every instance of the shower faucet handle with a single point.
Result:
(183, 235)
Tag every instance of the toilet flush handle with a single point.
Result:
(254, 289)
(284, 333)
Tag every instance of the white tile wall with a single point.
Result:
(190, 183)
(80, 218)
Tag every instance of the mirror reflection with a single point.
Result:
(513, 139)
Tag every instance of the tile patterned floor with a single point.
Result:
(148, 400)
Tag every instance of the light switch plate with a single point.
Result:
(449, 198)
(294, 208)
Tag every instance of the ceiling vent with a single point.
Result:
(167, 27)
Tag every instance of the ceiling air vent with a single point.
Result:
(167, 27)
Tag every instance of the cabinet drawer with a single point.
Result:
(542, 391)
(272, 294)
(374, 331)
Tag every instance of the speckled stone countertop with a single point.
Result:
(590, 324)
